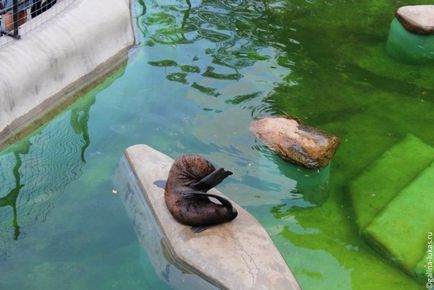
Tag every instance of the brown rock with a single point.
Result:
(296, 142)
(417, 18)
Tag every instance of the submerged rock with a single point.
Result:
(417, 18)
(393, 203)
(296, 142)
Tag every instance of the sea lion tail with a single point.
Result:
(199, 229)
(212, 179)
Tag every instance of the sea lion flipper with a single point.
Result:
(199, 229)
(197, 194)
(212, 179)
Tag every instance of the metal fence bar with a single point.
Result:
(16, 34)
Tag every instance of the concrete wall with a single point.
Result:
(53, 61)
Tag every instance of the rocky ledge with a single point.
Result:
(417, 18)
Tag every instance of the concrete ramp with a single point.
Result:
(235, 255)
(393, 203)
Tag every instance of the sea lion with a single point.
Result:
(190, 177)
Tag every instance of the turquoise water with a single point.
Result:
(201, 72)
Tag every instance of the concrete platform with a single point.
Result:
(236, 255)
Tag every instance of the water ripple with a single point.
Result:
(36, 170)
(229, 42)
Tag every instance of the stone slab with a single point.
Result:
(235, 255)
(401, 228)
(417, 18)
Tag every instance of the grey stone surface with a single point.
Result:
(417, 18)
(235, 255)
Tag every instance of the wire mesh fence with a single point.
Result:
(18, 17)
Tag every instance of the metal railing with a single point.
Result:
(17, 17)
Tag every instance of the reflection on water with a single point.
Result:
(35, 180)
(41, 166)
(79, 122)
(228, 36)
(10, 199)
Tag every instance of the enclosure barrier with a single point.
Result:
(19, 17)
(55, 59)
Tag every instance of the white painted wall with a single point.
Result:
(61, 52)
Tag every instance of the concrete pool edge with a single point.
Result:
(49, 66)
(235, 255)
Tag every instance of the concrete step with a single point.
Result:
(401, 228)
(386, 177)
(422, 267)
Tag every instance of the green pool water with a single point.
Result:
(202, 70)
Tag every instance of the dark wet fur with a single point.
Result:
(190, 177)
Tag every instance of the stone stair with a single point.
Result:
(393, 202)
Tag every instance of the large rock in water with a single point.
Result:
(296, 142)
(417, 18)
